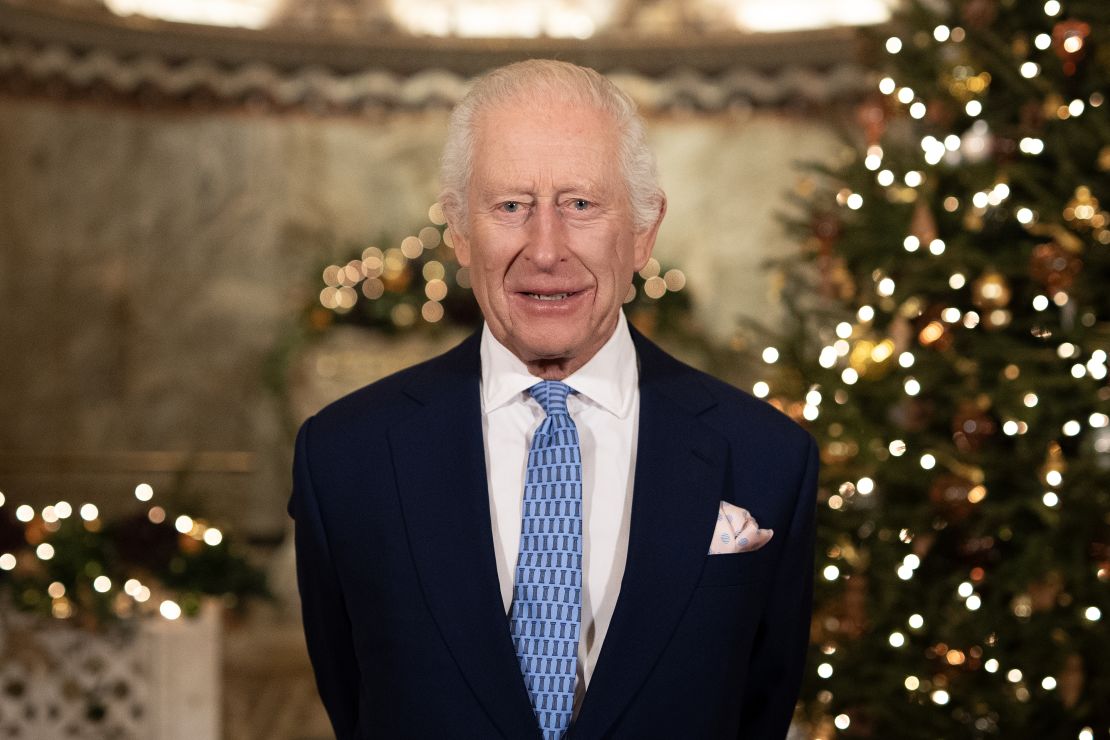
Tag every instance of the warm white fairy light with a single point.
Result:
(183, 524)
(905, 95)
(841, 347)
(897, 448)
(937, 247)
(911, 386)
(896, 639)
(1030, 400)
(131, 586)
(1054, 478)
(49, 515)
(144, 492)
(928, 461)
(885, 178)
(1009, 427)
(1076, 107)
(844, 330)
(1098, 420)
(1071, 428)
(991, 666)
(912, 683)
(1042, 41)
(906, 359)
(887, 85)
(951, 314)
(761, 389)
(865, 313)
(1050, 499)
(893, 45)
(770, 355)
(942, 33)
(1029, 70)
(1092, 614)
(917, 110)
(213, 536)
(913, 178)
(973, 108)
(849, 376)
(1066, 350)
(1031, 145)
(885, 288)
(1040, 302)
(916, 621)
(1025, 216)
(831, 573)
(911, 243)
(63, 509)
(842, 721)
(7, 561)
(855, 201)
(973, 602)
(45, 551)
(940, 696)
(825, 670)
(1052, 8)
(827, 358)
(1078, 370)
(89, 512)
(911, 561)
(1086, 734)
(874, 158)
(102, 584)
(1013, 675)
(965, 589)
(169, 609)
(865, 486)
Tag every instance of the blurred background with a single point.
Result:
(216, 216)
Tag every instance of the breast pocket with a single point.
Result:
(740, 567)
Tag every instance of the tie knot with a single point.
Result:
(552, 396)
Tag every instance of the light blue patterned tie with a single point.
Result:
(547, 596)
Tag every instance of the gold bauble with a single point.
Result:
(990, 291)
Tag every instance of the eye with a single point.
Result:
(510, 206)
(580, 204)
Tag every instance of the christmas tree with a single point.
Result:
(946, 342)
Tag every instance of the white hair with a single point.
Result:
(541, 81)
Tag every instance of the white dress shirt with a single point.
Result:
(605, 409)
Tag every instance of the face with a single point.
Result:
(549, 235)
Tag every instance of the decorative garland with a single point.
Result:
(68, 562)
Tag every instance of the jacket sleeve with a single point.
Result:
(778, 659)
(327, 626)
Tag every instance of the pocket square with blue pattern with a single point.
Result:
(737, 531)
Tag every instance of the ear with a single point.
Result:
(644, 241)
(459, 240)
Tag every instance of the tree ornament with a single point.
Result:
(972, 426)
(1054, 267)
(872, 359)
(990, 291)
(923, 224)
(1069, 41)
(980, 13)
(949, 494)
(1054, 464)
(1082, 211)
(932, 331)
(872, 117)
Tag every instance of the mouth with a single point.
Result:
(549, 296)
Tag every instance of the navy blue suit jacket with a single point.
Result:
(402, 608)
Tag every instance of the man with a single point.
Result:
(554, 529)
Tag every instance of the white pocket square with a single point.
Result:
(737, 531)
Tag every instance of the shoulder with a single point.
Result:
(372, 409)
(729, 410)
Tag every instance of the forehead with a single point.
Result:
(552, 140)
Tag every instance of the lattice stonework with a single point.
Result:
(154, 680)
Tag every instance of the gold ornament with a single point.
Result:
(1082, 211)
(1054, 462)
(990, 291)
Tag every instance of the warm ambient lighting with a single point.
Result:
(539, 18)
(242, 13)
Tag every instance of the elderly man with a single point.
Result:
(554, 529)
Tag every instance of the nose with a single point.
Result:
(546, 244)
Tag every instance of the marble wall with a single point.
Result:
(149, 263)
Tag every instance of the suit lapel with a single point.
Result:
(680, 473)
(441, 477)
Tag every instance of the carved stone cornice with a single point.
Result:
(64, 50)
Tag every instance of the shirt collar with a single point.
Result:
(608, 379)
